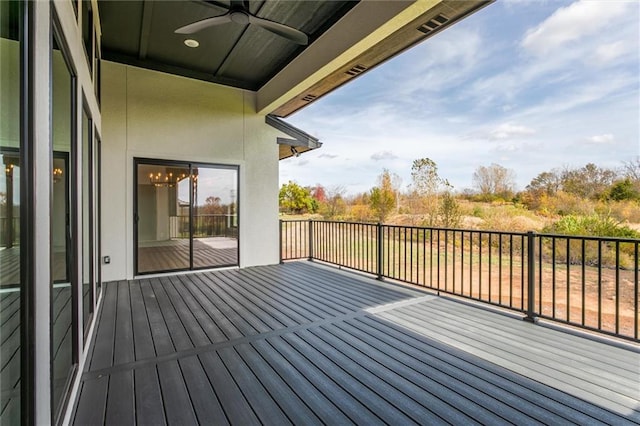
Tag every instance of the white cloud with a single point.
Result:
(383, 155)
(571, 23)
(441, 63)
(509, 131)
(327, 155)
(610, 51)
(601, 139)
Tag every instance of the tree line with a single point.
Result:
(559, 191)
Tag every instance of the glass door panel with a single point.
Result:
(10, 293)
(163, 225)
(10, 188)
(215, 217)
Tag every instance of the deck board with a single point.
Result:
(301, 343)
(120, 401)
(528, 359)
(237, 409)
(510, 359)
(148, 396)
(616, 374)
(176, 399)
(205, 402)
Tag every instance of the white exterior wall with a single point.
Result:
(150, 114)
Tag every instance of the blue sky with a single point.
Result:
(530, 85)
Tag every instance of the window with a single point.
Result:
(88, 31)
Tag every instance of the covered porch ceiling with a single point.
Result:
(346, 38)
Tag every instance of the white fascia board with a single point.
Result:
(364, 26)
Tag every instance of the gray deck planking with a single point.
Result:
(148, 396)
(306, 344)
(598, 385)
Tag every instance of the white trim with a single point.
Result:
(42, 226)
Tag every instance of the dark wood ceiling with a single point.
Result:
(141, 33)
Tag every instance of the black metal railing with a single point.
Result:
(208, 225)
(590, 282)
(9, 231)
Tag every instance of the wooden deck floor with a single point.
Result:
(306, 344)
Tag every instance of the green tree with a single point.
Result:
(623, 190)
(382, 198)
(295, 199)
(449, 211)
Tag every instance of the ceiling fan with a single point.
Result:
(240, 14)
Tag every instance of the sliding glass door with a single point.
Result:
(186, 216)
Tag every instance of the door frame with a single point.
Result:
(137, 161)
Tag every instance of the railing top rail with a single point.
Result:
(207, 215)
(591, 238)
(479, 231)
(331, 221)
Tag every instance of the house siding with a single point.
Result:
(149, 114)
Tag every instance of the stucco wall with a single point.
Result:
(154, 115)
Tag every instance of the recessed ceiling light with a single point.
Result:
(191, 42)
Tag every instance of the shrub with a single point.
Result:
(624, 211)
(591, 226)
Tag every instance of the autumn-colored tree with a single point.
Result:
(319, 193)
(334, 203)
(494, 181)
(449, 213)
(631, 169)
(546, 182)
(426, 186)
(382, 198)
(589, 182)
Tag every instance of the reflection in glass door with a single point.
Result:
(186, 216)
(87, 220)
(63, 291)
(215, 217)
(12, 299)
(10, 292)
(163, 218)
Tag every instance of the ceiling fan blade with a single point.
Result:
(205, 23)
(282, 30)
